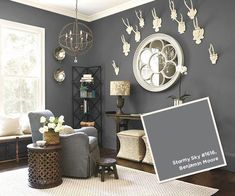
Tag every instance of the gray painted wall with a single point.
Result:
(58, 97)
(203, 79)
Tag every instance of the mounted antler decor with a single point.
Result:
(213, 55)
(181, 24)
(137, 34)
(126, 46)
(140, 17)
(191, 11)
(157, 22)
(116, 68)
(173, 10)
(198, 32)
(129, 28)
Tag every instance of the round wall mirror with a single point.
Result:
(59, 75)
(59, 54)
(157, 62)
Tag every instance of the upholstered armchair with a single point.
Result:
(80, 149)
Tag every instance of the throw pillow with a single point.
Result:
(9, 126)
(67, 130)
(25, 125)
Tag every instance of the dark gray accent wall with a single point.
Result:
(203, 79)
(58, 96)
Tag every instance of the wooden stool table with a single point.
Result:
(104, 165)
(44, 166)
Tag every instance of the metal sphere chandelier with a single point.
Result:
(76, 38)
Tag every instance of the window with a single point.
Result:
(22, 68)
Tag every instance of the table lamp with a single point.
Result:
(120, 88)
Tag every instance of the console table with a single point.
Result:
(121, 121)
(44, 166)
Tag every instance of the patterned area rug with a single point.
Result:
(131, 182)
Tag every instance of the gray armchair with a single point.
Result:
(80, 150)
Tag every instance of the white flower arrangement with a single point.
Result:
(54, 124)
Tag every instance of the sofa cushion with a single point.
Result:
(93, 143)
(9, 126)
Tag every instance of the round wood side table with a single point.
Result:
(44, 166)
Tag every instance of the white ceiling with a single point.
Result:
(89, 10)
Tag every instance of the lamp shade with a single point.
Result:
(120, 88)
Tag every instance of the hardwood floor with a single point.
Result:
(220, 179)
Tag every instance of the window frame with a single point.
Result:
(41, 32)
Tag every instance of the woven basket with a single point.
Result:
(51, 138)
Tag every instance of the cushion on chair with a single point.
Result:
(67, 130)
(93, 142)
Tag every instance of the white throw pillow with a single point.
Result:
(67, 130)
(9, 126)
(25, 125)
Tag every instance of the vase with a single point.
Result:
(177, 102)
(51, 138)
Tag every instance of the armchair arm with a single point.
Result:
(75, 154)
(90, 131)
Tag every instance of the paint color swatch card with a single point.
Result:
(184, 140)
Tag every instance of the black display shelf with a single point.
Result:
(93, 104)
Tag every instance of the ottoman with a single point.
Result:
(147, 158)
(131, 145)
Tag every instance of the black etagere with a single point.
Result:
(87, 97)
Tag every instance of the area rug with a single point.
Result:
(130, 182)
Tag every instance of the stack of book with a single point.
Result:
(87, 78)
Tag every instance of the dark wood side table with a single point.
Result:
(106, 165)
(44, 166)
(121, 121)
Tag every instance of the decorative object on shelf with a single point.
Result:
(87, 78)
(158, 62)
(198, 32)
(59, 75)
(173, 10)
(86, 88)
(59, 54)
(140, 17)
(87, 124)
(181, 25)
(126, 46)
(120, 88)
(191, 11)
(115, 67)
(87, 108)
(137, 34)
(157, 22)
(51, 128)
(76, 38)
(213, 54)
(129, 28)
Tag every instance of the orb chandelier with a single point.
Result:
(76, 38)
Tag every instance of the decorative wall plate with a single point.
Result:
(157, 62)
(59, 54)
(59, 75)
